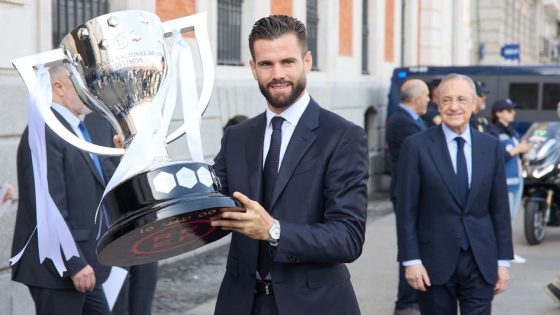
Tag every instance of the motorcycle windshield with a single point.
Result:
(544, 155)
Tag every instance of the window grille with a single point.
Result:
(229, 32)
(365, 37)
(312, 26)
(68, 14)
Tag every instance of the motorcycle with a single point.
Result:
(541, 172)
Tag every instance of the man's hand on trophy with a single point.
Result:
(84, 280)
(117, 141)
(255, 222)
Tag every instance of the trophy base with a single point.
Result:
(152, 225)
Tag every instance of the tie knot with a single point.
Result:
(277, 123)
(460, 142)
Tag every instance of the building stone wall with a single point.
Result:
(531, 24)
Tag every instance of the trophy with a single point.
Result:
(119, 64)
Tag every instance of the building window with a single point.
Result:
(312, 25)
(68, 14)
(524, 94)
(365, 37)
(551, 96)
(229, 32)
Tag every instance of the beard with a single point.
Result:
(283, 101)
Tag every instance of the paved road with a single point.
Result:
(189, 287)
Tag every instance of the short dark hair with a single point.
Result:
(274, 26)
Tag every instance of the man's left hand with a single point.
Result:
(503, 278)
(255, 222)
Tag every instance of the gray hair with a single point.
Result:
(58, 72)
(456, 76)
(410, 91)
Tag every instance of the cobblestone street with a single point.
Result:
(184, 284)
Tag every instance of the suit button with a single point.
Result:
(291, 259)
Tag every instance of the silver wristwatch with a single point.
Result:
(274, 233)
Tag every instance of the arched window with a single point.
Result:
(68, 14)
(229, 32)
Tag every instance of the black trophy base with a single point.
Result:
(150, 223)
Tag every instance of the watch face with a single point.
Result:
(275, 231)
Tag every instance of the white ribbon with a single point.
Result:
(189, 98)
(53, 234)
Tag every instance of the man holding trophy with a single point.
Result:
(301, 173)
(297, 173)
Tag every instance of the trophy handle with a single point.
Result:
(197, 23)
(26, 67)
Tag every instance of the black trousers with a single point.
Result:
(137, 294)
(69, 301)
(264, 305)
(466, 287)
(407, 296)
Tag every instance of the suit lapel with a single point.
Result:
(84, 154)
(301, 140)
(442, 161)
(91, 166)
(403, 113)
(254, 148)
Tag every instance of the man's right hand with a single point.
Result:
(417, 277)
(84, 280)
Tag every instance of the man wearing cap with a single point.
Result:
(477, 121)
(432, 117)
(503, 115)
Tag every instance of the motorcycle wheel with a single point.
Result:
(534, 221)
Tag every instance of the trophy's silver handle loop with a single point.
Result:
(26, 67)
(198, 24)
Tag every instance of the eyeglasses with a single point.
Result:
(448, 100)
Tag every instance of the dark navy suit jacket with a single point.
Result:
(76, 188)
(399, 127)
(320, 199)
(430, 214)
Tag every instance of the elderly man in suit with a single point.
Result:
(76, 182)
(453, 224)
(301, 173)
(405, 121)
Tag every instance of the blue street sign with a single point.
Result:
(511, 51)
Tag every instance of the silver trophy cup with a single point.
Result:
(118, 63)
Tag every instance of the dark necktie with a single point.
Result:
(94, 157)
(270, 172)
(462, 184)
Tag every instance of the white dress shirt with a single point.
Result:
(450, 136)
(291, 117)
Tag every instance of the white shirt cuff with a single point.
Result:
(504, 263)
(412, 262)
